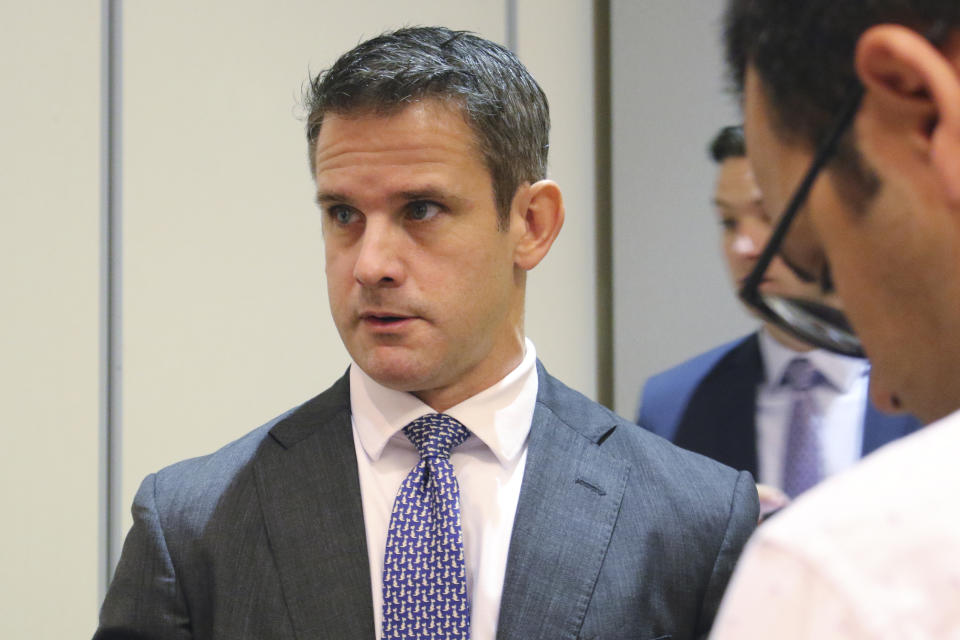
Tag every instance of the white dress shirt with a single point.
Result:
(873, 552)
(488, 465)
(842, 401)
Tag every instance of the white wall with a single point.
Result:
(49, 258)
(672, 297)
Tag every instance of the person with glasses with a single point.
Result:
(852, 122)
(743, 403)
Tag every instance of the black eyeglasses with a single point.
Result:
(813, 322)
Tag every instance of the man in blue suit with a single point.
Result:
(735, 403)
(447, 486)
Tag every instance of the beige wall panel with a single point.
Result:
(49, 257)
(226, 321)
(555, 41)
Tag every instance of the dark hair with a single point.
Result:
(803, 51)
(728, 143)
(502, 103)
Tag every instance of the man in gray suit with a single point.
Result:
(429, 148)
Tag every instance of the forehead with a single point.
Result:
(736, 184)
(735, 171)
(430, 136)
(778, 163)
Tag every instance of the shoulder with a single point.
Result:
(189, 491)
(665, 394)
(690, 371)
(895, 490)
(870, 544)
(203, 479)
(884, 516)
(688, 514)
(678, 474)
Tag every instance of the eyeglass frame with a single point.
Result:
(750, 291)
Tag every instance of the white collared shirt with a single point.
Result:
(843, 402)
(489, 468)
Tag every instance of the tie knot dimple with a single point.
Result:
(435, 435)
(801, 375)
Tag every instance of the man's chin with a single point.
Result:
(395, 371)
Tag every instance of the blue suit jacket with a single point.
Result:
(708, 404)
(618, 534)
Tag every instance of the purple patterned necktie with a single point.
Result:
(803, 466)
(424, 575)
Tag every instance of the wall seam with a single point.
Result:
(511, 25)
(110, 291)
(603, 210)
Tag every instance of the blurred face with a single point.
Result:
(746, 229)
(891, 264)
(422, 284)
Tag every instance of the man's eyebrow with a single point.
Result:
(324, 197)
(426, 193)
(720, 202)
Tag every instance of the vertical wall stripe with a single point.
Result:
(511, 25)
(110, 290)
(603, 215)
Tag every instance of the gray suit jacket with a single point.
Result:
(618, 534)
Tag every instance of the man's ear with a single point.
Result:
(536, 220)
(910, 115)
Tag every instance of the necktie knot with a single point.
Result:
(435, 435)
(801, 375)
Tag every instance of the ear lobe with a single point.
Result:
(537, 219)
(911, 107)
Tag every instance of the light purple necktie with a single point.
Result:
(803, 466)
(424, 574)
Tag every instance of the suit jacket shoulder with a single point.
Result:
(664, 396)
(230, 545)
(628, 531)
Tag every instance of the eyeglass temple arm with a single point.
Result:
(824, 154)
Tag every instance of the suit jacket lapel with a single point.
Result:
(720, 418)
(310, 493)
(569, 502)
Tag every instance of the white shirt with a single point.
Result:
(871, 553)
(488, 465)
(842, 401)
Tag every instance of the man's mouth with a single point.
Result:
(384, 319)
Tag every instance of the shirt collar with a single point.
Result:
(499, 416)
(840, 371)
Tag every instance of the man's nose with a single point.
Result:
(379, 261)
(751, 238)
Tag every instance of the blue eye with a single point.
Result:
(423, 210)
(342, 214)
